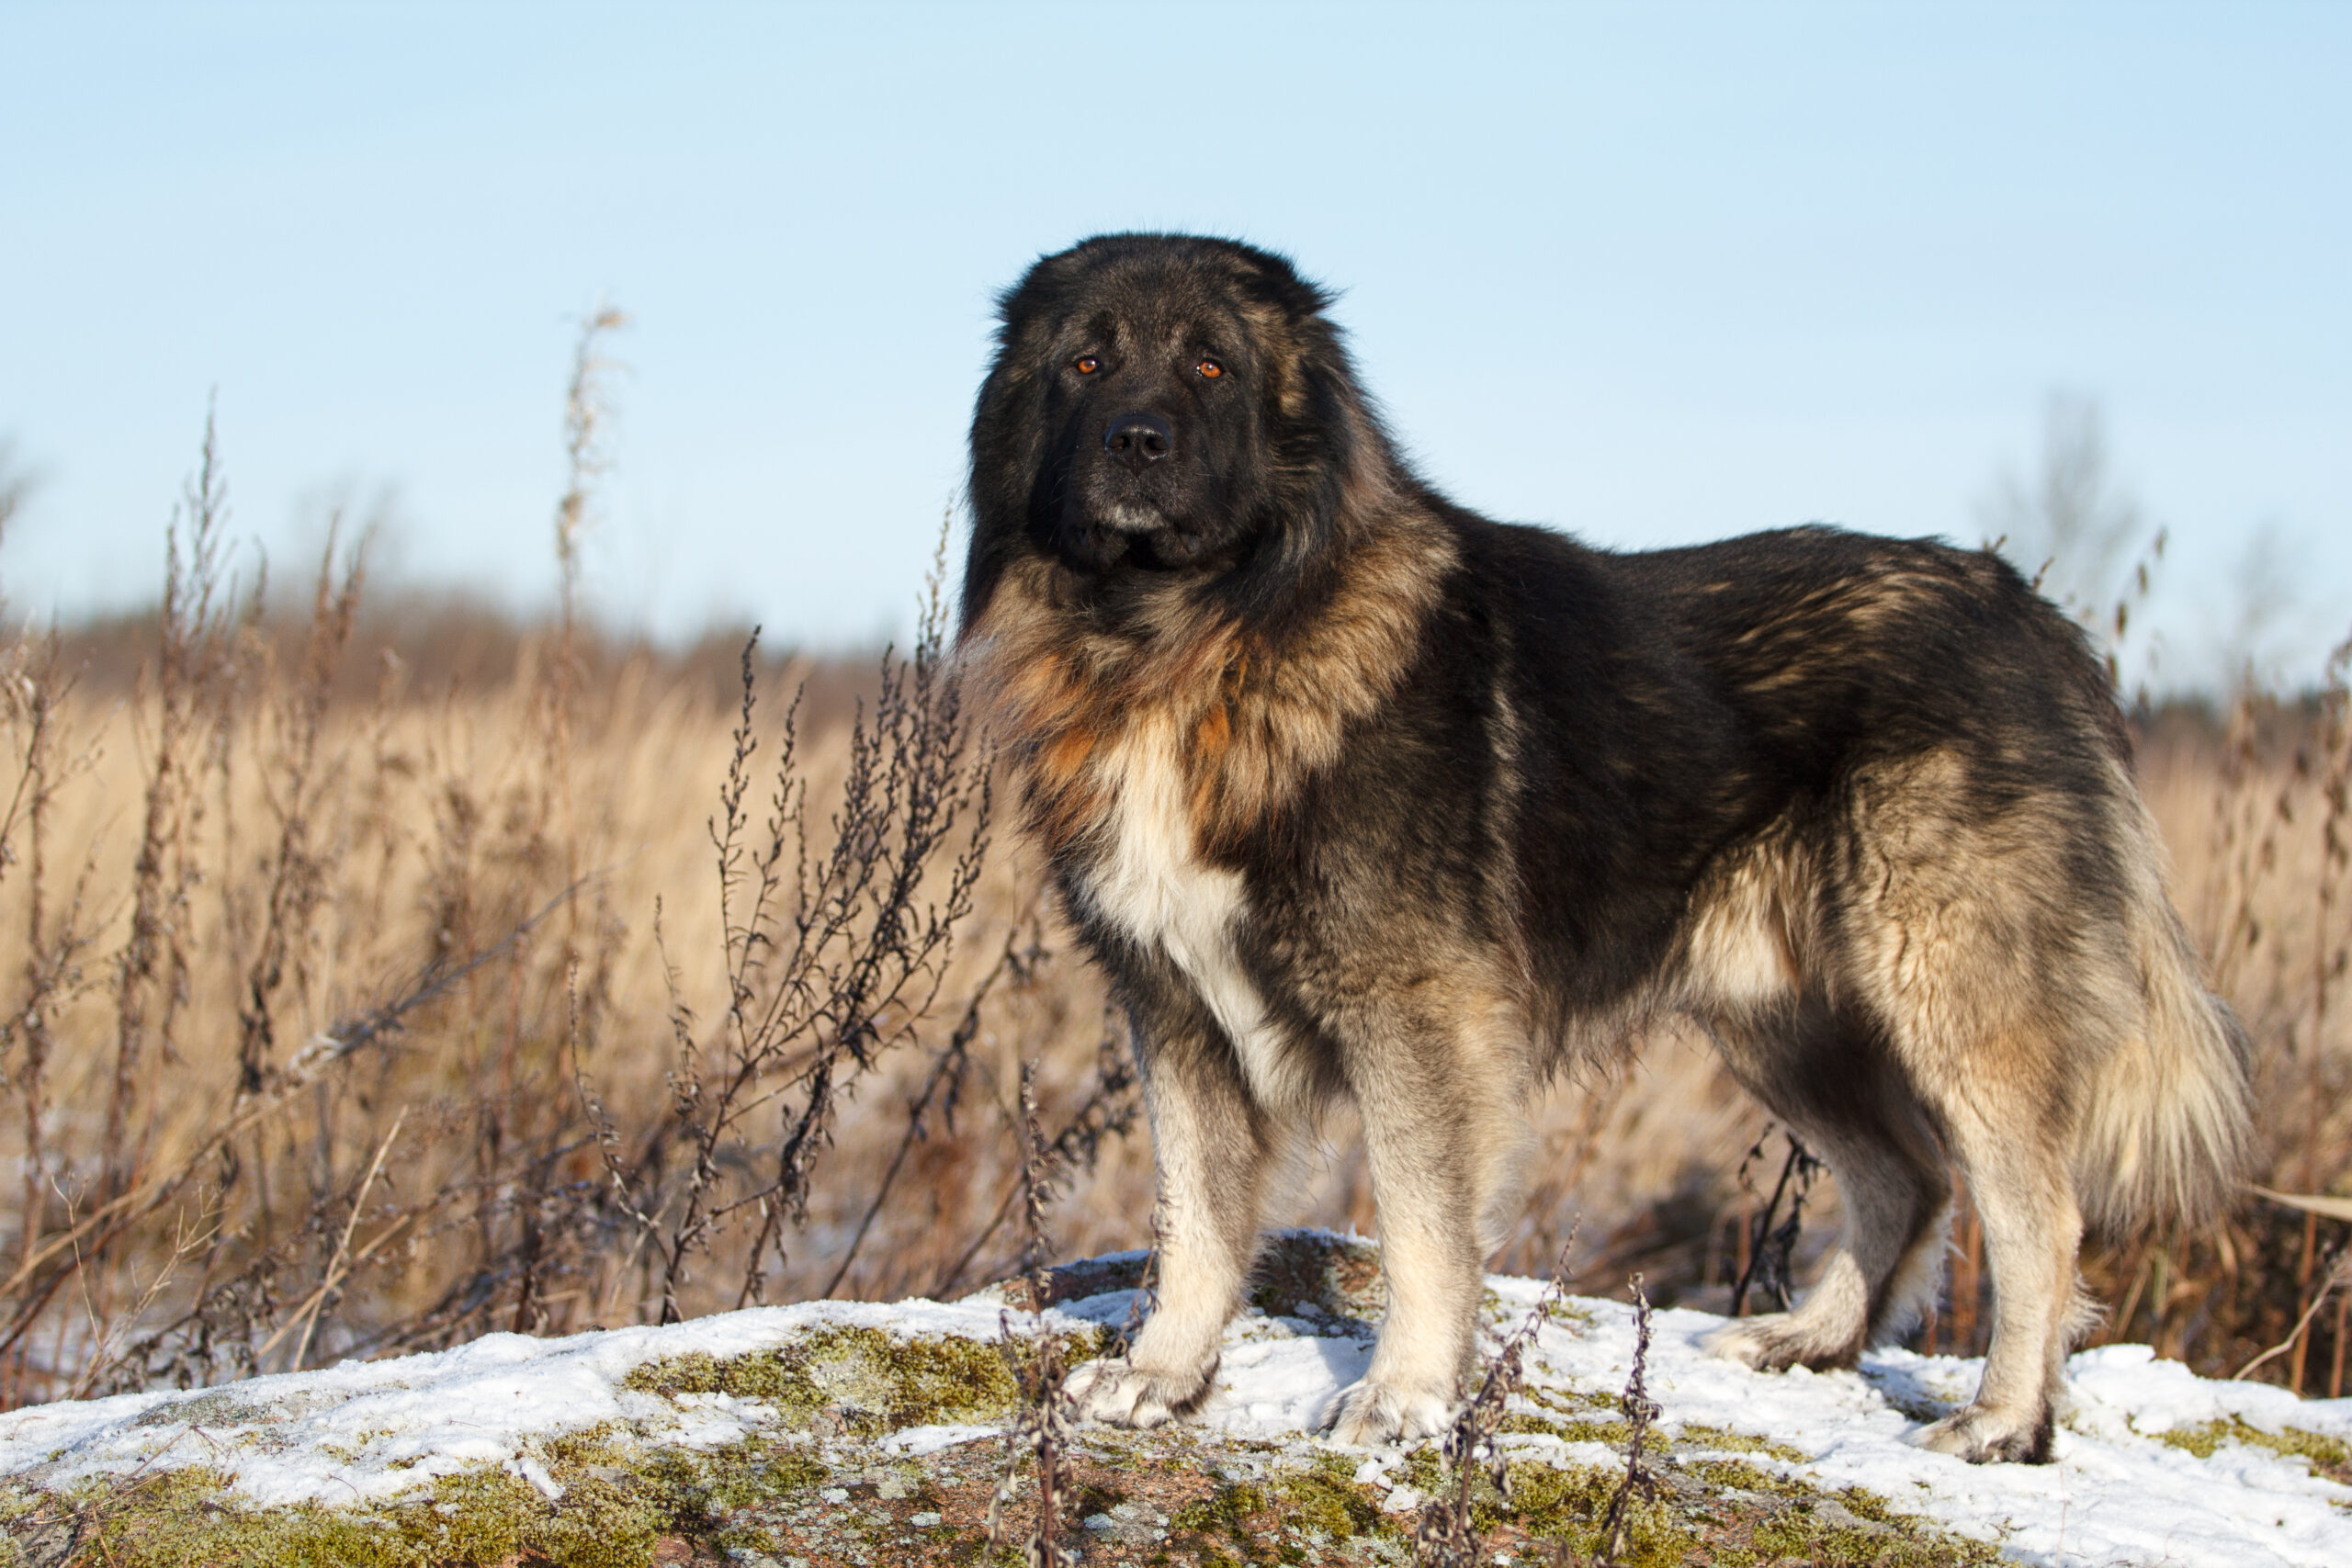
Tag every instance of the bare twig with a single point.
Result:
(1043, 1428)
(188, 678)
(1444, 1536)
(307, 1315)
(946, 1071)
(1109, 1110)
(2338, 1276)
(1772, 1243)
(1640, 1410)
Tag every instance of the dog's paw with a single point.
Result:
(1368, 1414)
(1983, 1436)
(1117, 1393)
(1775, 1341)
(1760, 1342)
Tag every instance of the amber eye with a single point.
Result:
(1087, 365)
(1210, 369)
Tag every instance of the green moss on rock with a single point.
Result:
(1696, 1435)
(473, 1519)
(1223, 1519)
(621, 1494)
(1327, 1497)
(1739, 1476)
(2326, 1455)
(868, 1382)
(1711, 1508)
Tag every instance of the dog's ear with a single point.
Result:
(1334, 476)
(1328, 433)
(1007, 449)
(1269, 278)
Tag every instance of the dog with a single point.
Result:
(1357, 795)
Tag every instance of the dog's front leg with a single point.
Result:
(1213, 1147)
(1445, 1131)
(1429, 1259)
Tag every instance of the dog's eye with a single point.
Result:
(1210, 369)
(1087, 364)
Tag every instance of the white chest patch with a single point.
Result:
(1153, 887)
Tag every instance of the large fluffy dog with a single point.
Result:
(1355, 794)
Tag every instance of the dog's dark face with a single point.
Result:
(1152, 437)
(1159, 405)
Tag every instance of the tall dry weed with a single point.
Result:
(348, 1018)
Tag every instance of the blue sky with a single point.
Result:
(1651, 273)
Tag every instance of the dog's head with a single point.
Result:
(1161, 408)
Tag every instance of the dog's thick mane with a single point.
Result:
(1255, 707)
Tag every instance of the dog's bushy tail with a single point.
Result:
(2168, 1129)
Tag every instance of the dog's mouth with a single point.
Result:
(1132, 517)
(1169, 549)
(1103, 532)
(1151, 522)
(1145, 543)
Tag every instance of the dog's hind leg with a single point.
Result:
(2025, 1194)
(1215, 1151)
(1833, 1083)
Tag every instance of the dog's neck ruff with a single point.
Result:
(1148, 755)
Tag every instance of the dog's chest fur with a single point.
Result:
(1149, 882)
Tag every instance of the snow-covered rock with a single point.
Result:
(835, 1432)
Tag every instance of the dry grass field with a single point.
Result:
(376, 976)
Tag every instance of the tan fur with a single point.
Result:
(2167, 1119)
(1742, 938)
(1258, 720)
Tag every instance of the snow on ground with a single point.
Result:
(2117, 1493)
(369, 1431)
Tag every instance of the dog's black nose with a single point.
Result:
(1139, 439)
